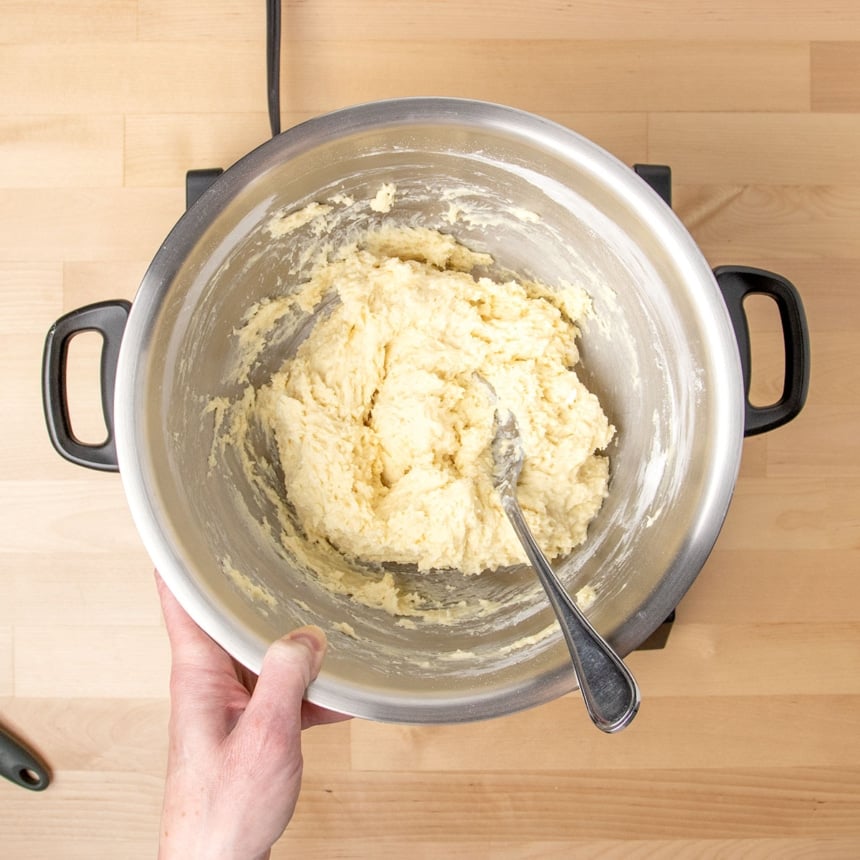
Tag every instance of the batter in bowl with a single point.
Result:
(383, 431)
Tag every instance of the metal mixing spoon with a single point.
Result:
(610, 692)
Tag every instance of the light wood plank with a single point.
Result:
(84, 814)
(721, 803)
(536, 75)
(830, 390)
(7, 598)
(786, 586)
(835, 67)
(51, 21)
(31, 296)
(756, 148)
(85, 282)
(91, 662)
(129, 735)
(120, 77)
(61, 151)
(825, 848)
(793, 513)
(43, 225)
(116, 735)
(71, 514)
(87, 589)
(161, 148)
(371, 20)
(83, 389)
(754, 458)
(555, 75)
(696, 735)
(733, 223)
(825, 443)
(711, 657)
(7, 664)
(161, 21)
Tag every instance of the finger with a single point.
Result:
(290, 664)
(207, 696)
(190, 645)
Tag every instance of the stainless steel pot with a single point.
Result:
(662, 352)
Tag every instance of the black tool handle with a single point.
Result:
(20, 766)
(738, 282)
(109, 320)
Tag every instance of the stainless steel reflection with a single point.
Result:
(659, 351)
(610, 692)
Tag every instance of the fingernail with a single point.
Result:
(312, 636)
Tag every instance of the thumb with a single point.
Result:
(290, 664)
(265, 761)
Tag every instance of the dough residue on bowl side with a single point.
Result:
(382, 432)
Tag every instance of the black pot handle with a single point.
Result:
(109, 320)
(738, 282)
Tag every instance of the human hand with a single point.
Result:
(234, 764)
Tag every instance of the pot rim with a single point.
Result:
(544, 135)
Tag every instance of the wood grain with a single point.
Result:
(756, 148)
(722, 735)
(442, 20)
(748, 743)
(576, 75)
(835, 67)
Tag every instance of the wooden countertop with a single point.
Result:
(748, 742)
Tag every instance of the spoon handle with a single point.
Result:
(610, 692)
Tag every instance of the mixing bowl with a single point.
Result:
(660, 352)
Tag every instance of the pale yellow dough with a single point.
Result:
(384, 433)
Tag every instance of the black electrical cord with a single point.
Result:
(273, 63)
